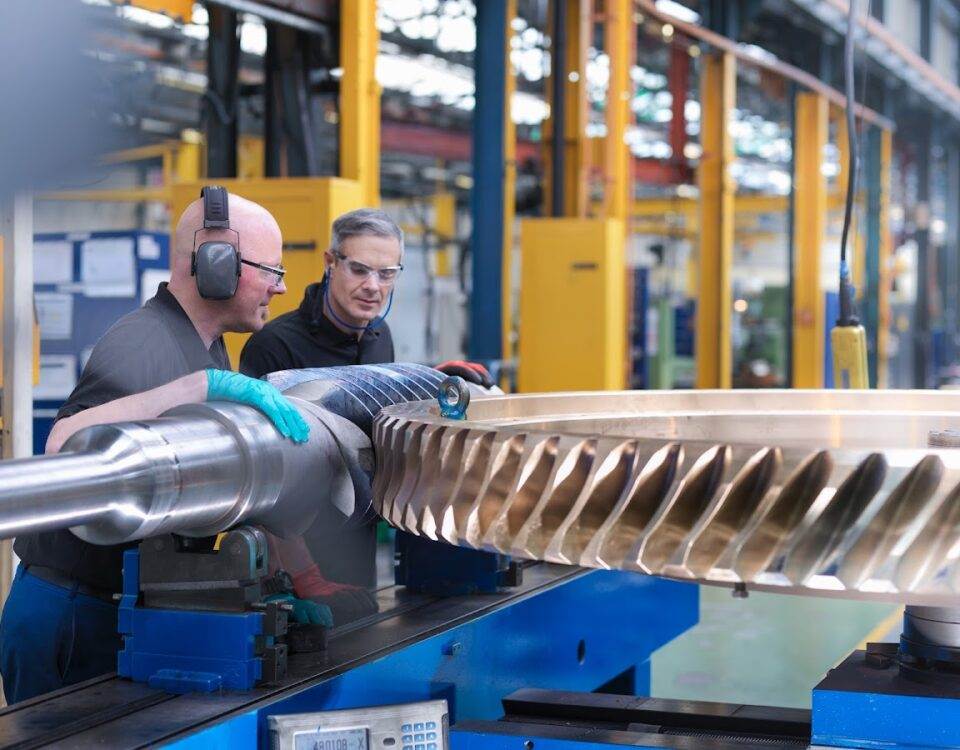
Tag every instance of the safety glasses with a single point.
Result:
(275, 273)
(361, 271)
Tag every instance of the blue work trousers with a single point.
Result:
(51, 636)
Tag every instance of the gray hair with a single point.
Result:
(364, 222)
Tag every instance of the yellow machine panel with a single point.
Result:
(182, 9)
(572, 305)
(305, 209)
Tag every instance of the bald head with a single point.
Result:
(260, 244)
(257, 228)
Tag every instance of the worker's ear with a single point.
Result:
(328, 261)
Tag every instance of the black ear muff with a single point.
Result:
(216, 264)
(217, 270)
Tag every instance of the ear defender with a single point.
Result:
(216, 264)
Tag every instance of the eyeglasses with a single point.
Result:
(275, 273)
(361, 271)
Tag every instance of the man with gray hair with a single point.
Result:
(340, 320)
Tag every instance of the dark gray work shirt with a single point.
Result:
(145, 349)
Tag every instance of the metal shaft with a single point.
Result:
(203, 468)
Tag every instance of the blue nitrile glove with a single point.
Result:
(232, 386)
(305, 611)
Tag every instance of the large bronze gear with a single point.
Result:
(820, 492)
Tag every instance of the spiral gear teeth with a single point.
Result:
(733, 506)
(882, 523)
(646, 490)
(673, 520)
(599, 496)
(776, 518)
(922, 565)
(567, 479)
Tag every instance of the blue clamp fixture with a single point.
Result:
(453, 395)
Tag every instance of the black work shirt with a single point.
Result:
(145, 349)
(305, 337)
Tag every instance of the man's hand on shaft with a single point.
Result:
(223, 385)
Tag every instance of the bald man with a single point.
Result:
(59, 624)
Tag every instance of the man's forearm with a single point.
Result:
(189, 389)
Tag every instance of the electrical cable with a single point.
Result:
(847, 315)
(848, 338)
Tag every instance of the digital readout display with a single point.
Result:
(332, 739)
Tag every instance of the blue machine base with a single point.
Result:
(182, 651)
(577, 635)
(860, 706)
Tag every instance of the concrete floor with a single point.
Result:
(767, 649)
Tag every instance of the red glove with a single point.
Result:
(472, 372)
(346, 603)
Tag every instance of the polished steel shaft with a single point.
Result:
(829, 492)
(203, 468)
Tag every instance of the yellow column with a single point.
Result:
(360, 98)
(810, 207)
(617, 42)
(445, 224)
(509, 192)
(577, 155)
(717, 99)
(886, 245)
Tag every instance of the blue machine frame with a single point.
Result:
(576, 635)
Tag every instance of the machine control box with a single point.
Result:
(405, 726)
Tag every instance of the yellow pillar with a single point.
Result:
(618, 45)
(509, 192)
(360, 98)
(445, 224)
(886, 246)
(810, 208)
(717, 98)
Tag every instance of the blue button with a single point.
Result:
(431, 735)
(408, 747)
(406, 728)
(418, 727)
(418, 738)
(419, 747)
(407, 739)
(432, 746)
(431, 725)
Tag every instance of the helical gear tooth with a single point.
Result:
(628, 522)
(677, 516)
(821, 539)
(438, 494)
(411, 465)
(733, 509)
(453, 519)
(894, 520)
(427, 470)
(922, 562)
(598, 497)
(778, 517)
(564, 485)
(504, 466)
(536, 464)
